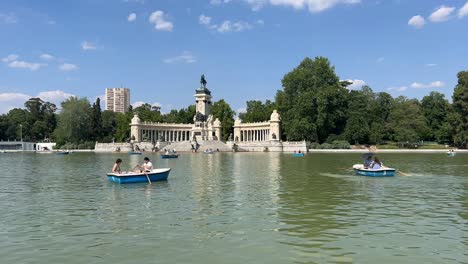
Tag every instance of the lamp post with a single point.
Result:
(21, 137)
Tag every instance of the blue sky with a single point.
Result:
(159, 48)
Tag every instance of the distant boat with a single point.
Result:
(383, 172)
(298, 154)
(451, 153)
(44, 152)
(132, 177)
(135, 153)
(208, 151)
(62, 152)
(169, 156)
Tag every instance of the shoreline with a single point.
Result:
(385, 151)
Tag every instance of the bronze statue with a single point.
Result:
(203, 81)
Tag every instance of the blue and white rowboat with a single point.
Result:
(383, 172)
(132, 177)
(169, 156)
(298, 154)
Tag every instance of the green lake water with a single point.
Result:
(234, 208)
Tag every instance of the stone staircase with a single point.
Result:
(202, 146)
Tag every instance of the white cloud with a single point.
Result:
(219, 2)
(159, 19)
(356, 84)
(463, 11)
(33, 66)
(131, 17)
(9, 18)
(417, 21)
(68, 67)
(441, 14)
(185, 57)
(398, 89)
(380, 59)
(225, 26)
(46, 56)
(260, 22)
(313, 6)
(86, 45)
(431, 65)
(13, 62)
(436, 84)
(56, 96)
(204, 20)
(134, 1)
(16, 100)
(11, 57)
(137, 104)
(4, 97)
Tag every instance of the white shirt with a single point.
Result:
(148, 166)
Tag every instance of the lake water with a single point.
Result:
(234, 208)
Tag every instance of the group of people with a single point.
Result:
(147, 166)
(370, 163)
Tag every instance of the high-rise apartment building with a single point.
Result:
(117, 99)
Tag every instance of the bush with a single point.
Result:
(341, 144)
(81, 145)
(314, 145)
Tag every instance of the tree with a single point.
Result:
(459, 118)
(74, 121)
(42, 118)
(406, 123)
(313, 102)
(257, 111)
(122, 130)
(148, 113)
(14, 119)
(223, 111)
(357, 128)
(109, 126)
(435, 109)
(96, 120)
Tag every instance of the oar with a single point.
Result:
(147, 177)
(404, 174)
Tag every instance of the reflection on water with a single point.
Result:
(232, 208)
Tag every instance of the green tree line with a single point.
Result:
(316, 106)
(79, 124)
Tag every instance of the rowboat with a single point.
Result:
(62, 152)
(451, 153)
(169, 156)
(132, 177)
(208, 151)
(382, 172)
(135, 153)
(298, 154)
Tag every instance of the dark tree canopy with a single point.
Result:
(313, 102)
(223, 111)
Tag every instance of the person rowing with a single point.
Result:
(368, 162)
(376, 164)
(147, 166)
(116, 168)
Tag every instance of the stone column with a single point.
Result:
(275, 125)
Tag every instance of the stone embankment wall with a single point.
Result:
(113, 147)
(272, 146)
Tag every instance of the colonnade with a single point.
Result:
(254, 135)
(153, 135)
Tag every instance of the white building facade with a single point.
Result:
(117, 99)
(204, 128)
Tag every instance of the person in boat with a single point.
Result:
(147, 165)
(116, 168)
(368, 162)
(376, 164)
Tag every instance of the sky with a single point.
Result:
(159, 48)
